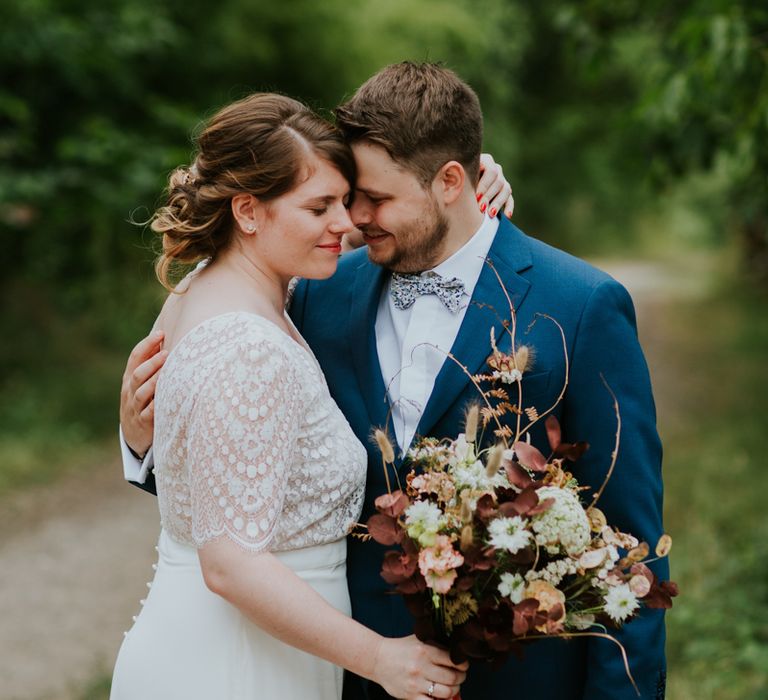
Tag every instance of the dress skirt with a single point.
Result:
(190, 644)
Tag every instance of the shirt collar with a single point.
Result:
(467, 262)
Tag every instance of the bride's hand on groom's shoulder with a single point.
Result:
(409, 669)
(494, 193)
(137, 394)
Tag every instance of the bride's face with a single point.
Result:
(299, 234)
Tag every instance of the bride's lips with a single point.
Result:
(331, 247)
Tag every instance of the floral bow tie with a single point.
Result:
(406, 287)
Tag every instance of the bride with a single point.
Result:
(258, 474)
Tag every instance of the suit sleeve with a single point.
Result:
(606, 343)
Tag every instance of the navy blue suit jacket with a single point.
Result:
(337, 317)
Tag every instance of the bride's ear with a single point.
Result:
(248, 212)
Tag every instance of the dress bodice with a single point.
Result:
(249, 443)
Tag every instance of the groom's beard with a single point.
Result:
(417, 245)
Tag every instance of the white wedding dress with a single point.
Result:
(249, 445)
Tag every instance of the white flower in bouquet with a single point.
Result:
(600, 575)
(468, 471)
(620, 602)
(609, 563)
(509, 534)
(427, 449)
(470, 476)
(462, 452)
(475, 477)
(554, 572)
(512, 586)
(423, 520)
(564, 524)
(508, 376)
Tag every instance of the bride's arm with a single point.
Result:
(241, 447)
(278, 601)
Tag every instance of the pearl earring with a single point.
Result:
(251, 228)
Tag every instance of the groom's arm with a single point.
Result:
(606, 343)
(137, 470)
(137, 394)
(137, 410)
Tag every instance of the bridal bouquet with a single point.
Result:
(495, 546)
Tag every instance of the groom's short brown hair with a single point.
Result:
(423, 114)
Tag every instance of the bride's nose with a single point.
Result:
(343, 223)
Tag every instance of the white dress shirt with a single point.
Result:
(412, 343)
(134, 469)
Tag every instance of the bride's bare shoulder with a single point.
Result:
(185, 306)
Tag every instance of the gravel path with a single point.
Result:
(75, 556)
(74, 561)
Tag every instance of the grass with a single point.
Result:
(62, 364)
(713, 403)
(97, 689)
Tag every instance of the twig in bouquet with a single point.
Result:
(601, 635)
(513, 335)
(472, 379)
(565, 381)
(518, 383)
(362, 536)
(476, 384)
(390, 451)
(615, 453)
(387, 454)
(397, 479)
(512, 314)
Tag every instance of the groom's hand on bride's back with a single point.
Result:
(137, 395)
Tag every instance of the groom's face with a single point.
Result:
(400, 219)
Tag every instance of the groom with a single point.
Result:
(381, 336)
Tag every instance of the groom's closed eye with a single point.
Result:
(373, 196)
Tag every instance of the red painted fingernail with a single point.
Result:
(492, 213)
(482, 207)
(478, 196)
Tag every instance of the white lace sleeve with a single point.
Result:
(241, 442)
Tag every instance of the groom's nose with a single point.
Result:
(361, 212)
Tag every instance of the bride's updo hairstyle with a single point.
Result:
(257, 146)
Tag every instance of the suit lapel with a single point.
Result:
(487, 309)
(362, 324)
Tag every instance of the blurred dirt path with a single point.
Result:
(74, 561)
(75, 556)
(661, 290)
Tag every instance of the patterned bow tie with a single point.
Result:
(406, 287)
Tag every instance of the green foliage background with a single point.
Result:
(627, 128)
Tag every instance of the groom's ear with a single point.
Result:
(449, 182)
